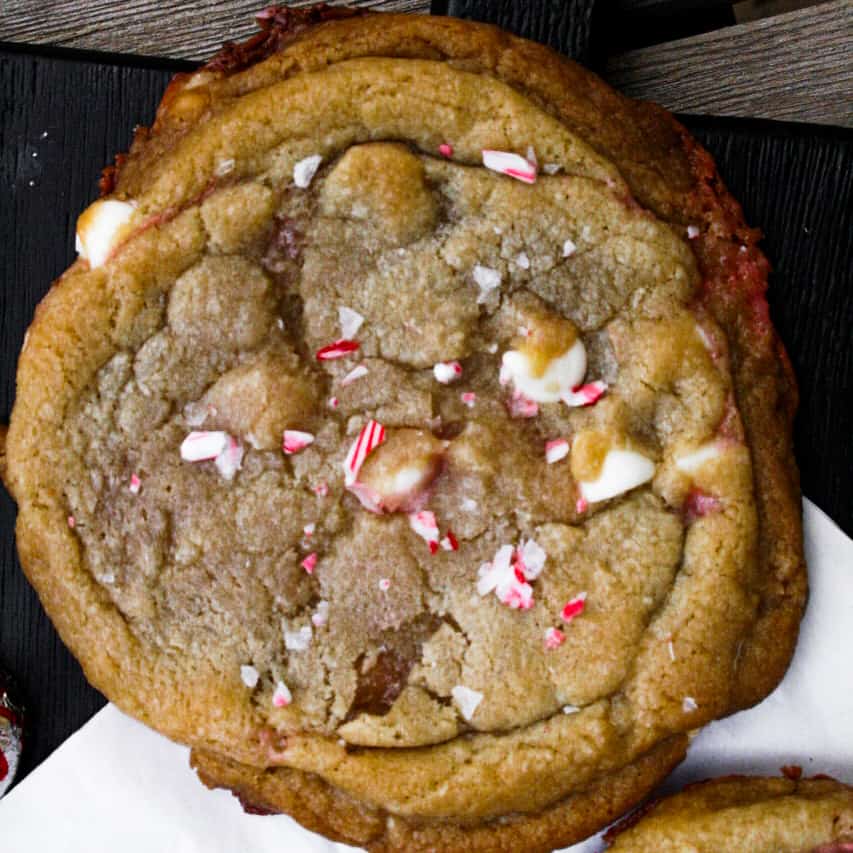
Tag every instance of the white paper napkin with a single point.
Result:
(115, 784)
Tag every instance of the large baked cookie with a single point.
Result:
(740, 814)
(411, 437)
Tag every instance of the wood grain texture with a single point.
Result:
(179, 29)
(565, 26)
(797, 66)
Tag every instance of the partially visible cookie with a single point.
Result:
(741, 814)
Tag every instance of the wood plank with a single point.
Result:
(182, 29)
(796, 66)
(565, 26)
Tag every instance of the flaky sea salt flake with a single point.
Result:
(298, 641)
(354, 375)
(569, 248)
(249, 675)
(487, 279)
(689, 705)
(467, 700)
(350, 321)
(305, 169)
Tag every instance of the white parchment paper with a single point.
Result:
(116, 784)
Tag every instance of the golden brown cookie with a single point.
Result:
(740, 814)
(412, 440)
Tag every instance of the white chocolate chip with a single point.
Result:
(298, 641)
(101, 227)
(561, 375)
(622, 470)
(692, 462)
(487, 279)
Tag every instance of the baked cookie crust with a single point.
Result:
(368, 791)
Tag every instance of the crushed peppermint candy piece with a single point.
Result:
(135, 484)
(554, 638)
(249, 675)
(295, 440)
(350, 321)
(699, 504)
(509, 572)
(310, 563)
(305, 169)
(321, 489)
(354, 375)
(450, 542)
(445, 149)
(72, 522)
(371, 436)
(522, 261)
(334, 402)
(569, 248)
(446, 372)
(229, 462)
(531, 156)
(321, 616)
(689, 705)
(581, 505)
(574, 607)
(424, 524)
(469, 398)
(384, 584)
(467, 700)
(555, 450)
(487, 279)
(338, 349)
(281, 696)
(513, 165)
(522, 407)
(585, 395)
(298, 641)
(308, 530)
(200, 446)
(692, 232)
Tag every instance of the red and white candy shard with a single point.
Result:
(249, 676)
(350, 321)
(295, 440)
(469, 398)
(281, 696)
(585, 395)
(229, 462)
(308, 530)
(573, 607)
(135, 484)
(450, 542)
(200, 446)
(424, 524)
(445, 149)
(554, 638)
(507, 163)
(384, 584)
(446, 372)
(692, 232)
(699, 504)
(466, 700)
(561, 376)
(321, 489)
(622, 471)
(508, 574)
(305, 169)
(334, 402)
(101, 227)
(487, 279)
(581, 505)
(371, 436)
(555, 450)
(337, 349)
(354, 375)
(310, 563)
(298, 641)
(522, 407)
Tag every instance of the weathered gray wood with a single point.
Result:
(796, 66)
(179, 29)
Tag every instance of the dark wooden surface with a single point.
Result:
(63, 118)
